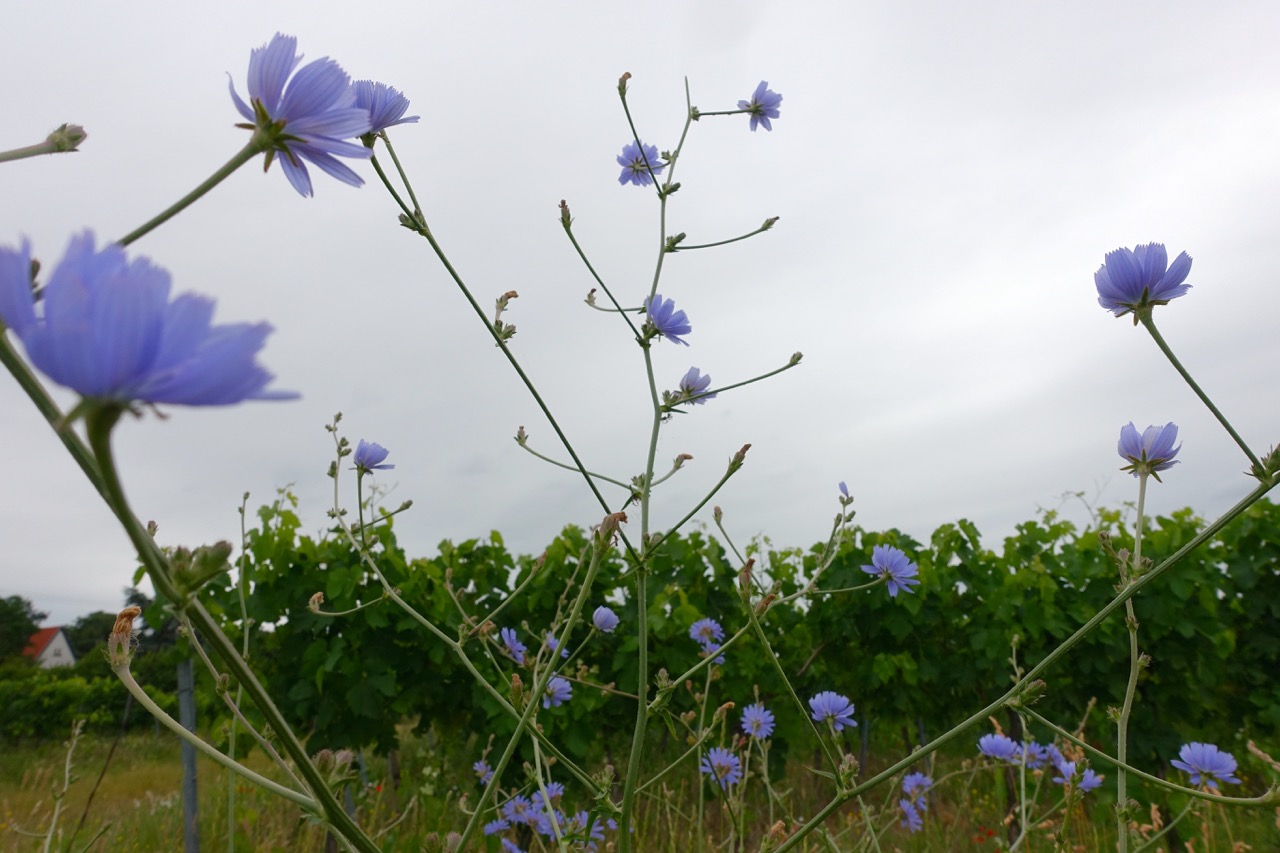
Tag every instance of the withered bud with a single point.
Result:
(717, 513)
(723, 710)
(609, 527)
(517, 689)
(765, 603)
(565, 219)
(314, 602)
(152, 529)
(591, 296)
(521, 436)
(120, 643)
(622, 83)
(744, 576)
(681, 459)
(738, 458)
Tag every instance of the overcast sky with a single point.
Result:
(948, 177)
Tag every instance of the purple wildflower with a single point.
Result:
(1207, 764)
(604, 619)
(693, 384)
(106, 328)
(892, 566)
(635, 169)
(1130, 280)
(559, 690)
(483, 772)
(1084, 781)
(666, 320)
(722, 766)
(1151, 452)
(553, 644)
(1000, 747)
(762, 106)
(757, 721)
(832, 708)
(369, 457)
(496, 826)
(515, 648)
(386, 106)
(311, 118)
(911, 817)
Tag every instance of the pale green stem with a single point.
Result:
(58, 798)
(574, 468)
(680, 247)
(674, 407)
(871, 830)
(1150, 325)
(253, 149)
(126, 678)
(1122, 723)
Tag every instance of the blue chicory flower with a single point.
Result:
(105, 327)
(666, 320)
(1151, 452)
(915, 785)
(515, 648)
(692, 384)
(911, 817)
(892, 566)
(604, 619)
(555, 790)
(1036, 755)
(829, 707)
(844, 490)
(369, 456)
(1207, 764)
(385, 104)
(483, 772)
(1084, 781)
(496, 826)
(708, 633)
(722, 766)
(509, 846)
(518, 809)
(1130, 280)
(634, 168)
(762, 106)
(757, 721)
(559, 690)
(553, 644)
(310, 117)
(1000, 747)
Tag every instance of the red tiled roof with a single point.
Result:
(39, 640)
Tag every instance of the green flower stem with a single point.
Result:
(126, 678)
(426, 234)
(408, 186)
(1150, 324)
(706, 661)
(532, 699)
(253, 149)
(681, 247)
(701, 113)
(700, 823)
(52, 414)
(568, 467)
(1063, 647)
(794, 361)
(242, 584)
(693, 750)
(60, 795)
(732, 469)
(832, 759)
(386, 182)
(871, 829)
(568, 230)
(1268, 799)
(100, 421)
(237, 716)
(1153, 840)
(40, 148)
(1122, 722)
(875, 582)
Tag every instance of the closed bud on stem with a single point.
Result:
(314, 602)
(622, 83)
(738, 458)
(722, 711)
(795, 358)
(517, 689)
(120, 641)
(591, 296)
(565, 219)
(765, 603)
(744, 578)
(717, 514)
(769, 223)
(67, 137)
(521, 436)
(609, 527)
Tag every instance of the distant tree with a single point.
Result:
(89, 632)
(18, 621)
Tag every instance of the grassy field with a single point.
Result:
(139, 803)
